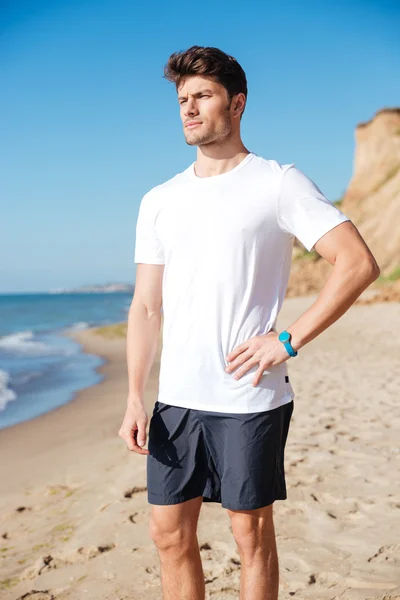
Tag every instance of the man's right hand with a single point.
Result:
(133, 428)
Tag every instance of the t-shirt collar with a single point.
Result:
(225, 175)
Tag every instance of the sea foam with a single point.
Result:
(23, 342)
(6, 395)
(79, 326)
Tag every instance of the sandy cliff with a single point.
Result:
(372, 201)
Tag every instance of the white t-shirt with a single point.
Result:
(226, 243)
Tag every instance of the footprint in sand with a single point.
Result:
(93, 551)
(140, 516)
(221, 568)
(43, 564)
(390, 554)
(37, 595)
(135, 490)
(132, 518)
(21, 509)
(205, 546)
(228, 592)
(49, 562)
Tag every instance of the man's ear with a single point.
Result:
(239, 103)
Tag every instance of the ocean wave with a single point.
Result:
(26, 377)
(23, 342)
(79, 326)
(6, 394)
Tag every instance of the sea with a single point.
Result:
(41, 368)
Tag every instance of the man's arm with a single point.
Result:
(144, 322)
(355, 268)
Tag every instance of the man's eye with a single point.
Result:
(204, 96)
(182, 101)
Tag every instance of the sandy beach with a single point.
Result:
(74, 511)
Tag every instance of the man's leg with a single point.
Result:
(254, 533)
(173, 529)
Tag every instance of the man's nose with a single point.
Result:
(191, 107)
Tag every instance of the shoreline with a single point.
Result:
(89, 344)
(84, 349)
(26, 442)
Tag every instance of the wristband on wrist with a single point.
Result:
(285, 338)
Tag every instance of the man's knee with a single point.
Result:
(166, 538)
(253, 530)
(247, 538)
(172, 535)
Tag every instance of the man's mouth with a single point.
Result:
(191, 124)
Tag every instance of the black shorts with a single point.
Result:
(232, 458)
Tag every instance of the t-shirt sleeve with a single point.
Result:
(148, 248)
(303, 210)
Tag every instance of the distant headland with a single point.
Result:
(109, 288)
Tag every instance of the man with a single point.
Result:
(214, 247)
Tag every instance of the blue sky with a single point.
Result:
(89, 124)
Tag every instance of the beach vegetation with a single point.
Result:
(8, 583)
(63, 527)
(304, 254)
(66, 528)
(394, 275)
(116, 330)
(57, 489)
(39, 547)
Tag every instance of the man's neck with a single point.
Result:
(211, 163)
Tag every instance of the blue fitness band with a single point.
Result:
(285, 337)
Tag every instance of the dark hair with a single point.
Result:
(209, 62)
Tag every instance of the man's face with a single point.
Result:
(204, 110)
